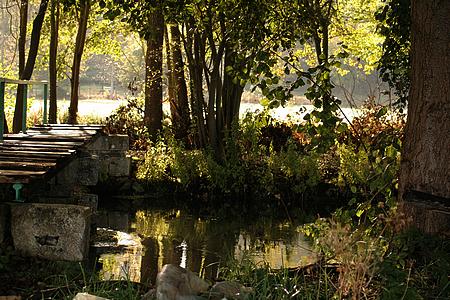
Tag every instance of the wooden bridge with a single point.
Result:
(42, 150)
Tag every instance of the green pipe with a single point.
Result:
(24, 107)
(2, 109)
(45, 103)
(17, 187)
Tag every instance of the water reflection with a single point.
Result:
(122, 259)
(202, 245)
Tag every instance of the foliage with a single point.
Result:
(128, 119)
(395, 64)
(355, 263)
(279, 284)
(278, 170)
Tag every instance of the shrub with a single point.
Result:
(129, 119)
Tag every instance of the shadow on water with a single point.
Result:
(151, 238)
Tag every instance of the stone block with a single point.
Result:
(113, 142)
(119, 167)
(81, 171)
(51, 231)
(89, 200)
(3, 216)
(88, 168)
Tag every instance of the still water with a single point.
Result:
(153, 238)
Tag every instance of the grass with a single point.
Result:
(39, 279)
(313, 282)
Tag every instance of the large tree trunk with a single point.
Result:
(22, 34)
(425, 167)
(52, 65)
(29, 66)
(179, 105)
(85, 9)
(153, 112)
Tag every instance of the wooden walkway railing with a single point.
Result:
(26, 83)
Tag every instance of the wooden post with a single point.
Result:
(24, 107)
(44, 121)
(2, 109)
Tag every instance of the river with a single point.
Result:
(152, 238)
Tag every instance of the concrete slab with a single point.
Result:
(51, 231)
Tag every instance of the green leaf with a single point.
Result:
(382, 112)
(264, 102)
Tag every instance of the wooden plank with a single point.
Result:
(20, 159)
(50, 138)
(16, 179)
(38, 145)
(68, 127)
(21, 173)
(33, 154)
(32, 166)
(48, 148)
(11, 176)
(60, 131)
(60, 134)
(67, 144)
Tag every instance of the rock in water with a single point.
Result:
(176, 283)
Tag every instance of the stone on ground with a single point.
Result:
(86, 296)
(176, 283)
(229, 290)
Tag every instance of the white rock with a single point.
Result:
(176, 283)
(86, 296)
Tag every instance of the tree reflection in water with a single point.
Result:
(202, 245)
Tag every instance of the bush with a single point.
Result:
(129, 119)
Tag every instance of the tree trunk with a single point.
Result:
(192, 48)
(171, 88)
(153, 112)
(22, 34)
(180, 108)
(29, 66)
(232, 94)
(52, 68)
(425, 167)
(85, 8)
